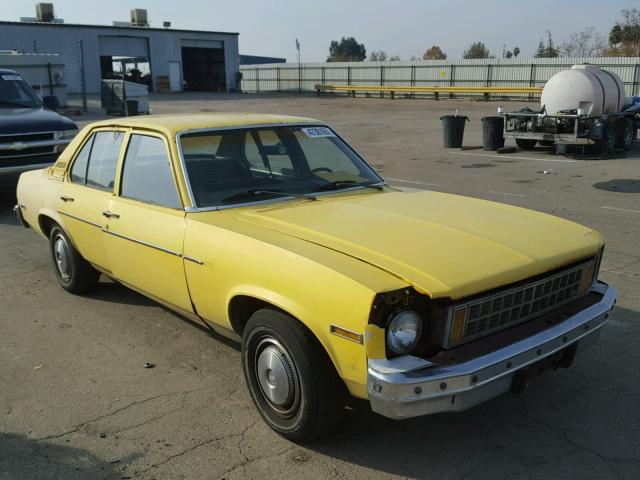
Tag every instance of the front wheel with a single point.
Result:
(290, 378)
(525, 143)
(74, 273)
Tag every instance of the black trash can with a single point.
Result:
(132, 108)
(492, 133)
(453, 130)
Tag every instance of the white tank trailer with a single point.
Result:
(580, 106)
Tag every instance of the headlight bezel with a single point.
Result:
(67, 134)
(403, 322)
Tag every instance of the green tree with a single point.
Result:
(508, 54)
(547, 51)
(378, 56)
(516, 51)
(476, 50)
(434, 53)
(624, 37)
(394, 58)
(346, 50)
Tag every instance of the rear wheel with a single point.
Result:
(525, 143)
(290, 378)
(74, 273)
(626, 133)
(608, 142)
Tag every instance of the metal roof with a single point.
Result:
(110, 27)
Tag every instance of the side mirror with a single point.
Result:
(51, 102)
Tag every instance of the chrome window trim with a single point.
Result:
(183, 166)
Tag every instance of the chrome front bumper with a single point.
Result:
(410, 387)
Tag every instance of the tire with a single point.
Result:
(74, 273)
(626, 133)
(607, 144)
(526, 144)
(279, 351)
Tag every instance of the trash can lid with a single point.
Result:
(455, 116)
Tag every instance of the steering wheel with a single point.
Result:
(321, 169)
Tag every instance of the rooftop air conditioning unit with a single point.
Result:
(139, 17)
(44, 12)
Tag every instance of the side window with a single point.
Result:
(79, 168)
(146, 175)
(104, 159)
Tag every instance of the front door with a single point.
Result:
(145, 230)
(86, 194)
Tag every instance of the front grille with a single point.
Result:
(510, 307)
(26, 137)
(27, 152)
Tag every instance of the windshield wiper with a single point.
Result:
(256, 192)
(337, 184)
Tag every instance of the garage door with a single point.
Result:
(121, 46)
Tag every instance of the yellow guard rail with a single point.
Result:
(392, 90)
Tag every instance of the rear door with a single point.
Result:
(145, 231)
(87, 191)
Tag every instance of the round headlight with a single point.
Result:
(404, 331)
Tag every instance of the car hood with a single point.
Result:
(27, 120)
(444, 245)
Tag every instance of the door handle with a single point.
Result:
(66, 199)
(109, 214)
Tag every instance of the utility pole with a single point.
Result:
(299, 67)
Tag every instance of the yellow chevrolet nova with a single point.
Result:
(273, 230)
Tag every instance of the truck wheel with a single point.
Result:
(626, 133)
(525, 144)
(608, 142)
(290, 377)
(74, 273)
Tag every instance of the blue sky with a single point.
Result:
(400, 27)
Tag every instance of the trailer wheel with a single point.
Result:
(609, 141)
(626, 133)
(526, 144)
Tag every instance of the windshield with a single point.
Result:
(238, 166)
(15, 92)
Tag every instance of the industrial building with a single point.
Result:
(165, 59)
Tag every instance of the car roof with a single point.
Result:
(4, 71)
(172, 124)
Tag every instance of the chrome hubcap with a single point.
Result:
(61, 254)
(277, 376)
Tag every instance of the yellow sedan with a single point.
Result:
(273, 230)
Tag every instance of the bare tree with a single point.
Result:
(394, 58)
(585, 43)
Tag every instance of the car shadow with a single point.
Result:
(23, 458)
(551, 430)
(114, 292)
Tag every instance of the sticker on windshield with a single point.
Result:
(15, 78)
(318, 132)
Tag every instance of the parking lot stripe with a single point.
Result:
(622, 209)
(413, 182)
(556, 160)
(507, 193)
